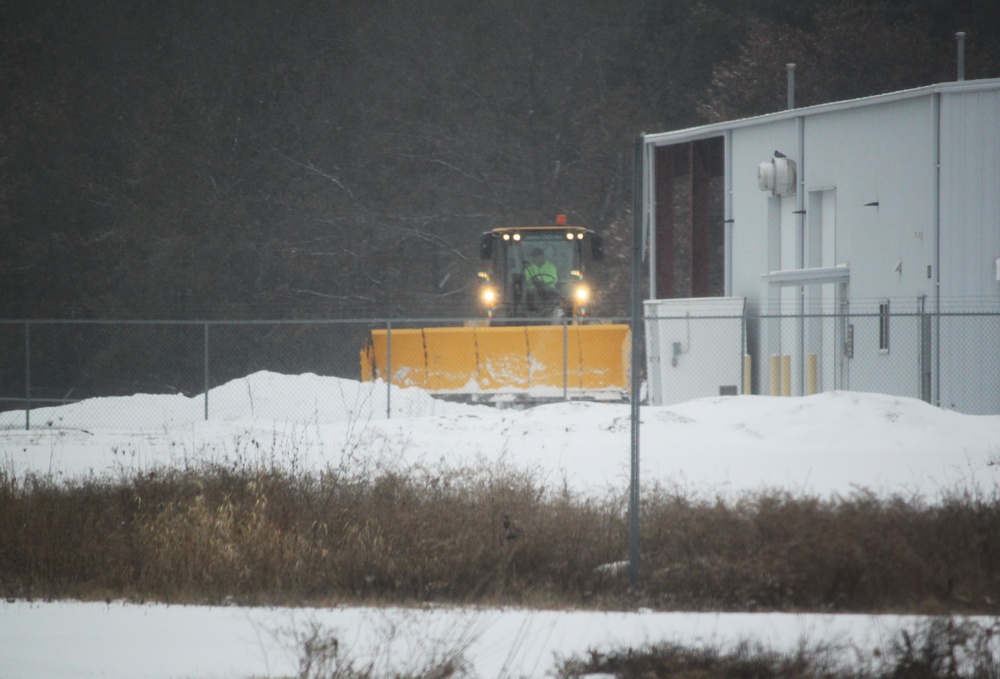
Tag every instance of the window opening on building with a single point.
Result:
(690, 206)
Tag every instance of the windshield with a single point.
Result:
(563, 253)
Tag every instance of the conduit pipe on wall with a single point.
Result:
(791, 85)
(960, 38)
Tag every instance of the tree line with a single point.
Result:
(320, 159)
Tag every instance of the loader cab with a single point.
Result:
(517, 285)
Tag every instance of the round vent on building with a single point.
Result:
(777, 176)
(765, 176)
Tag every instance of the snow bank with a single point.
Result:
(261, 396)
(830, 443)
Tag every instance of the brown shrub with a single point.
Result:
(260, 533)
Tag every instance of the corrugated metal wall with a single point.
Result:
(877, 178)
(969, 368)
(970, 198)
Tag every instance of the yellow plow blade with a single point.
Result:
(534, 361)
(545, 356)
(451, 358)
(409, 361)
(605, 354)
(502, 357)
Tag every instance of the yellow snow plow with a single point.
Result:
(536, 343)
(521, 363)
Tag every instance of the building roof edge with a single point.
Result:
(719, 129)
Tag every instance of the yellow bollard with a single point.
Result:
(810, 374)
(775, 375)
(786, 375)
(747, 381)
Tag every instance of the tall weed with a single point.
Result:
(249, 528)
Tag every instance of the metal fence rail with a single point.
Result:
(47, 363)
(949, 359)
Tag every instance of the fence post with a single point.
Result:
(636, 321)
(206, 372)
(565, 360)
(924, 361)
(27, 376)
(388, 370)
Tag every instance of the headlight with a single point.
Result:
(582, 293)
(489, 296)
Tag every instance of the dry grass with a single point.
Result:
(265, 532)
(321, 655)
(776, 551)
(937, 648)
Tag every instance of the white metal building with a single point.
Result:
(859, 225)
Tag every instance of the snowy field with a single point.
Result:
(830, 444)
(70, 639)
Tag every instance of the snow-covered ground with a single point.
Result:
(71, 639)
(832, 443)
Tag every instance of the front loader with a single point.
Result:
(536, 342)
(513, 286)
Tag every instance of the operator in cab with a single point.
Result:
(541, 278)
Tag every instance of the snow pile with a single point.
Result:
(831, 443)
(262, 395)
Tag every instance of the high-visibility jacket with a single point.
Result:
(545, 276)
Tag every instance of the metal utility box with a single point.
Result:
(694, 348)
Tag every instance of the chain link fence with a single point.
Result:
(73, 373)
(947, 359)
(129, 374)
(49, 365)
